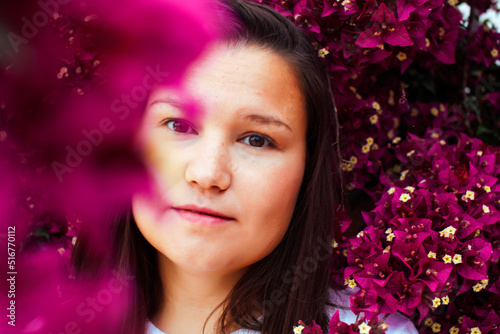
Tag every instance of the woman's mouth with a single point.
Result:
(202, 216)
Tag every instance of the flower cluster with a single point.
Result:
(336, 326)
(414, 83)
(399, 67)
(432, 238)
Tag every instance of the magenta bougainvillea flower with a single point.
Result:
(425, 243)
(431, 242)
(336, 326)
(384, 30)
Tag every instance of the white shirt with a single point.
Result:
(151, 329)
(398, 324)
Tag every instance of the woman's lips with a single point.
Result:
(202, 216)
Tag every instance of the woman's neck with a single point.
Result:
(190, 297)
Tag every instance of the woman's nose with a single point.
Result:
(210, 165)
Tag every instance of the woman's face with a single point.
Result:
(226, 177)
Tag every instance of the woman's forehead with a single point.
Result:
(247, 75)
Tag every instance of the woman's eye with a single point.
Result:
(178, 125)
(258, 141)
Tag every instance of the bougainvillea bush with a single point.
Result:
(416, 89)
(417, 92)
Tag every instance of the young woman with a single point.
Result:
(235, 234)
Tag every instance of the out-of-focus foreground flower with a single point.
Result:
(74, 78)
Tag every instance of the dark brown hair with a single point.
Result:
(292, 283)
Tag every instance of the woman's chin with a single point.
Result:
(206, 263)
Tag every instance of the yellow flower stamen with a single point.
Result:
(457, 259)
(63, 73)
(390, 99)
(395, 120)
(404, 197)
(448, 232)
(410, 189)
(364, 328)
(323, 52)
(436, 328)
(298, 329)
(475, 330)
(428, 322)
(401, 56)
(447, 258)
(470, 195)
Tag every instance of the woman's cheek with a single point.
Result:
(276, 185)
(164, 160)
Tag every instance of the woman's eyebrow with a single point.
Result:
(266, 120)
(250, 117)
(168, 100)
